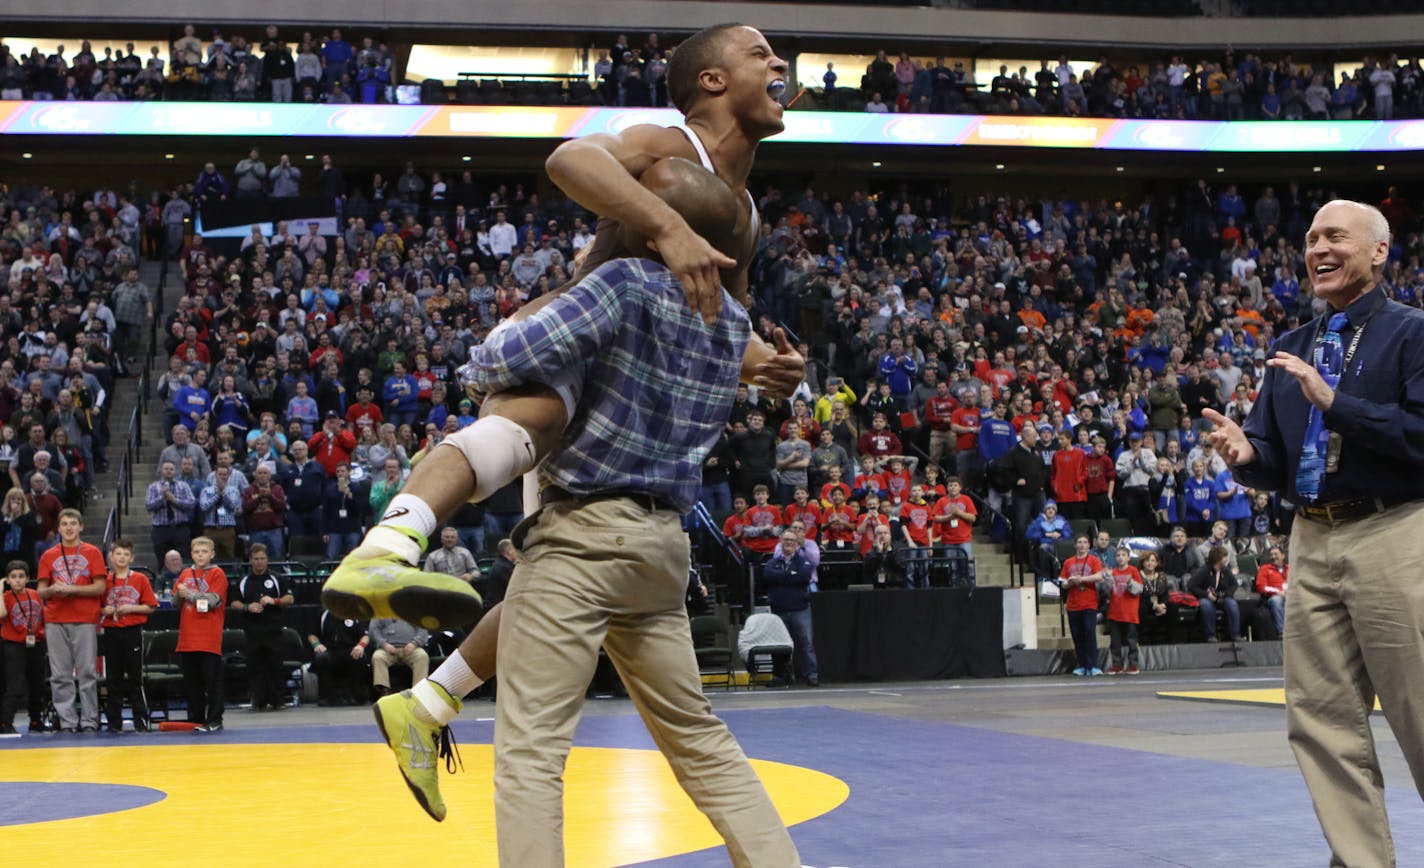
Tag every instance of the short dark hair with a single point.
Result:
(17, 565)
(122, 543)
(694, 54)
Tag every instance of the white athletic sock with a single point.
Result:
(456, 676)
(410, 512)
(437, 703)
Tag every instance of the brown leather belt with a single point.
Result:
(1340, 511)
(554, 494)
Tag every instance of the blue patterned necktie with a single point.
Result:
(1329, 361)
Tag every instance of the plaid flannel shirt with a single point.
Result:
(658, 382)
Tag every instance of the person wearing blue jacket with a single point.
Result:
(787, 579)
(1233, 505)
(192, 401)
(1045, 532)
(996, 434)
(898, 369)
(402, 396)
(1198, 500)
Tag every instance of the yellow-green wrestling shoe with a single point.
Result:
(418, 746)
(384, 586)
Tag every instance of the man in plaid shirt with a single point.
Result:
(606, 560)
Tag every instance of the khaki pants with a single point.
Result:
(942, 444)
(1354, 631)
(382, 660)
(611, 573)
(224, 540)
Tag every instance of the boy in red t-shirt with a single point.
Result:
(72, 584)
(732, 527)
(1081, 574)
(835, 482)
(896, 480)
(877, 514)
(762, 530)
(917, 526)
(202, 591)
(840, 521)
(954, 516)
(128, 602)
(805, 510)
(1126, 587)
(867, 481)
(22, 636)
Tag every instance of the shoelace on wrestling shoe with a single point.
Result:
(450, 751)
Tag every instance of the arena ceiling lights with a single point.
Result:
(27, 118)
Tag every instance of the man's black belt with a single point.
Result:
(652, 503)
(1340, 511)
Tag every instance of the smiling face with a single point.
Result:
(1346, 244)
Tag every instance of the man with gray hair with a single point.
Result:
(1338, 429)
(184, 447)
(54, 480)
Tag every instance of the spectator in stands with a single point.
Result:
(1046, 530)
(1214, 585)
(793, 457)
(332, 445)
(304, 481)
(883, 566)
(170, 504)
(221, 503)
(452, 558)
(879, 441)
(755, 451)
(339, 660)
(786, 576)
(1135, 468)
(1233, 506)
(1103, 549)
(264, 508)
(401, 394)
(251, 175)
(397, 643)
(1030, 477)
(1272, 581)
(343, 512)
(260, 597)
(763, 525)
(386, 487)
(1220, 537)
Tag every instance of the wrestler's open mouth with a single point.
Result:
(776, 90)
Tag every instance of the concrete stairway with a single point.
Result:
(133, 520)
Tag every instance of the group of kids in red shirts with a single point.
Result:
(49, 633)
(929, 513)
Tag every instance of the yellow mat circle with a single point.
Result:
(345, 804)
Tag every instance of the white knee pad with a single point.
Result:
(498, 450)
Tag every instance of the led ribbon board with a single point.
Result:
(44, 118)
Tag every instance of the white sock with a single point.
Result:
(456, 676)
(410, 512)
(431, 705)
